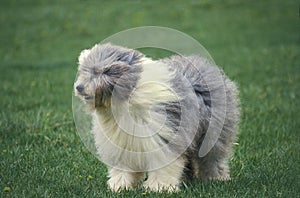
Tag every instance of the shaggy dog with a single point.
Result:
(151, 117)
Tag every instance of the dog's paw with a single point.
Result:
(119, 183)
(158, 186)
(224, 177)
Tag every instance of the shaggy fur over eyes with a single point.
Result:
(153, 116)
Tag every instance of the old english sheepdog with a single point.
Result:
(151, 117)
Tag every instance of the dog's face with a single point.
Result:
(104, 70)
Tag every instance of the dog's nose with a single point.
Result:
(79, 88)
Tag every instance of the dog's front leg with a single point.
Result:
(166, 178)
(123, 180)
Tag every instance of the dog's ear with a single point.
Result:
(98, 97)
(131, 57)
(83, 55)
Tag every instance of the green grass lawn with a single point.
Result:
(255, 42)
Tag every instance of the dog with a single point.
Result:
(151, 117)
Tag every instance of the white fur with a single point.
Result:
(123, 180)
(83, 55)
(166, 178)
(133, 152)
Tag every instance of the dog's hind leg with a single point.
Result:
(213, 167)
(215, 164)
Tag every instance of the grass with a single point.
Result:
(256, 43)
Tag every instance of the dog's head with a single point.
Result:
(105, 70)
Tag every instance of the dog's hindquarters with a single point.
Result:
(203, 76)
(214, 165)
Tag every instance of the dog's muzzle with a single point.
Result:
(81, 92)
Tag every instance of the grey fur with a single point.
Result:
(108, 68)
(102, 68)
(214, 164)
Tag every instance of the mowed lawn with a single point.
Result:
(255, 42)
